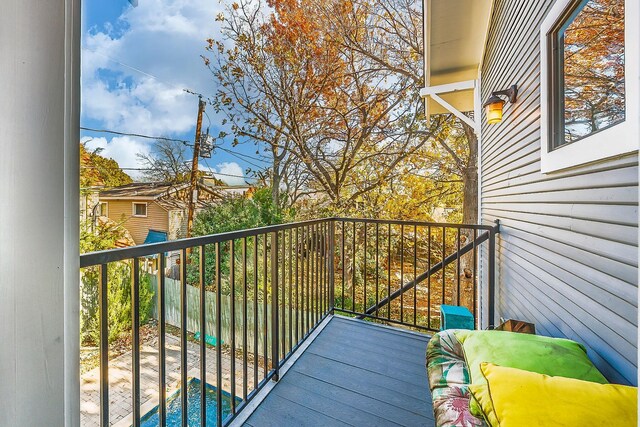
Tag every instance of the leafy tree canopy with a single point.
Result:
(96, 170)
(238, 213)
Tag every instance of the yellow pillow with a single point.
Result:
(514, 398)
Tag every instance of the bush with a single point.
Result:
(237, 213)
(118, 289)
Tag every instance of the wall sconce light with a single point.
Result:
(494, 104)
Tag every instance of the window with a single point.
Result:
(103, 209)
(140, 209)
(587, 73)
(588, 69)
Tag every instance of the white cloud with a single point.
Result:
(163, 38)
(230, 173)
(122, 149)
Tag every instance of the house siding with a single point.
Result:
(177, 224)
(567, 253)
(121, 211)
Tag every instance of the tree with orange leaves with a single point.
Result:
(390, 36)
(287, 81)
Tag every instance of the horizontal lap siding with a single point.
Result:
(121, 211)
(568, 247)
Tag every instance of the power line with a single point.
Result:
(241, 157)
(151, 169)
(138, 135)
(231, 175)
(258, 159)
(208, 119)
(238, 155)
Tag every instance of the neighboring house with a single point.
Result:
(153, 211)
(228, 190)
(566, 195)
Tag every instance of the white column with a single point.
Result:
(39, 105)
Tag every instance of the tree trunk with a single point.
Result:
(275, 177)
(469, 216)
(470, 179)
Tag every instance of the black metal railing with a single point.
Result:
(265, 290)
(402, 271)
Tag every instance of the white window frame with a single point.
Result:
(617, 140)
(133, 209)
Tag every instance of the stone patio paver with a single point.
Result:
(120, 399)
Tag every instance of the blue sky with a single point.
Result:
(136, 63)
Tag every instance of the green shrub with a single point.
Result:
(118, 289)
(236, 213)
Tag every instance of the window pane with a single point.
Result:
(593, 68)
(141, 209)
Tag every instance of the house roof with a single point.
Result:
(148, 190)
(170, 204)
(455, 37)
(165, 194)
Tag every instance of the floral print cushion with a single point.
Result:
(448, 381)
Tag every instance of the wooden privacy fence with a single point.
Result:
(172, 309)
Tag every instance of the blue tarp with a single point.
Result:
(155, 236)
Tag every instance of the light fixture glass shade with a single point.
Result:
(494, 111)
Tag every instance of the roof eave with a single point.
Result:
(454, 38)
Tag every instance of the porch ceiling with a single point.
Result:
(454, 39)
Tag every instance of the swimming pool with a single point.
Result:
(174, 410)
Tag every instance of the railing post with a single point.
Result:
(492, 273)
(183, 337)
(162, 384)
(275, 339)
(135, 342)
(104, 346)
(332, 254)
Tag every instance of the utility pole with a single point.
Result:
(194, 167)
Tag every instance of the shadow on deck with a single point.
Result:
(354, 373)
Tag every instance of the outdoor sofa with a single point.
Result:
(499, 378)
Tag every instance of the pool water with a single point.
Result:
(174, 410)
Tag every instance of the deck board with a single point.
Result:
(354, 373)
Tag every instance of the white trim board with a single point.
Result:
(435, 91)
(614, 141)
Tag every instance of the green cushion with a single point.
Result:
(535, 353)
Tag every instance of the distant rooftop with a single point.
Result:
(172, 196)
(143, 189)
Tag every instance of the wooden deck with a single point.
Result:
(354, 373)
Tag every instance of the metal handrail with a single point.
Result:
(488, 235)
(120, 254)
(307, 293)
(424, 276)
